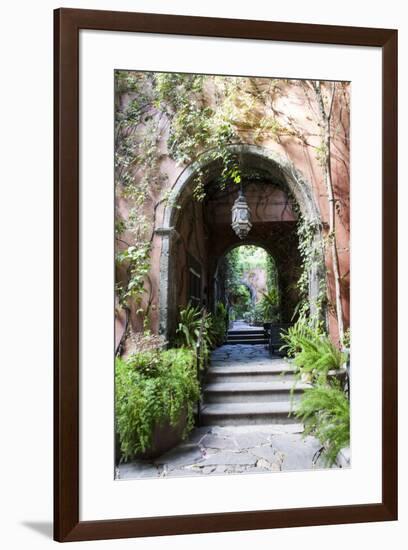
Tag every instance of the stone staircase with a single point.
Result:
(250, 336)
(253, 391)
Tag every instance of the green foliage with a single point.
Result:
(254, 314)
(325, 412)
(127, 81)
(324, 408)
(188, 330)
(240, 264)
(149, 108)
(194, 127)
(180, 97)
(294, 334)
(269, 305)
(137, 259)
(195, 331)
(240, 299)
(197, 115)
(152, 388)
(312, 256)
(347, 339)
(318, 355)
(248, 257)
(265, 310)
(220, 324)
(312, 351)
(137, 171)
(272, 275)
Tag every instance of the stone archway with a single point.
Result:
(278, 169)
(286, 278)
(217, 276)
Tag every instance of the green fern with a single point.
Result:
(325, 412)
(151, 388)
(317, 356)
(311, 351)
(294, 334)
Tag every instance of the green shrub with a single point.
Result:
(312, 351)
(240, 298)
(317, 356)
(195, 321)
(269, 305)
(219, 324)
(153, 387)
(188, 329)
(325, 412)
(324, 409)
(293, 335)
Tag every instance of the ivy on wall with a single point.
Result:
(312, 256)
(183, 116)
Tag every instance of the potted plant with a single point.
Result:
(156, 395)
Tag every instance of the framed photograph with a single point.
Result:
(225, 275)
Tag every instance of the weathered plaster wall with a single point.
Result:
(257, 278)
(274, 228)
(301, 148)
(189, 239)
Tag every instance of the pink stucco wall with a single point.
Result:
(293, 109)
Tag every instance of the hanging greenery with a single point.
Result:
(311, 252)
(184, 117)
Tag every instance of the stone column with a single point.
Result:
(167, 234)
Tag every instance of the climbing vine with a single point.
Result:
(182, 117)
(312, 259)
(159, 114)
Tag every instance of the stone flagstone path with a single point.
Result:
(232, 449)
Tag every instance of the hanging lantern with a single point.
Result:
(241, 216)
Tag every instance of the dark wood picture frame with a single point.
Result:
(67, 24)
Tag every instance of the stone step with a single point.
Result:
(247, 342)
(249, 336)
(253, 392)
(241, 414)
(250, 373)
(245, 332)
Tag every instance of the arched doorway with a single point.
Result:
(195, 235)
(252, 268)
